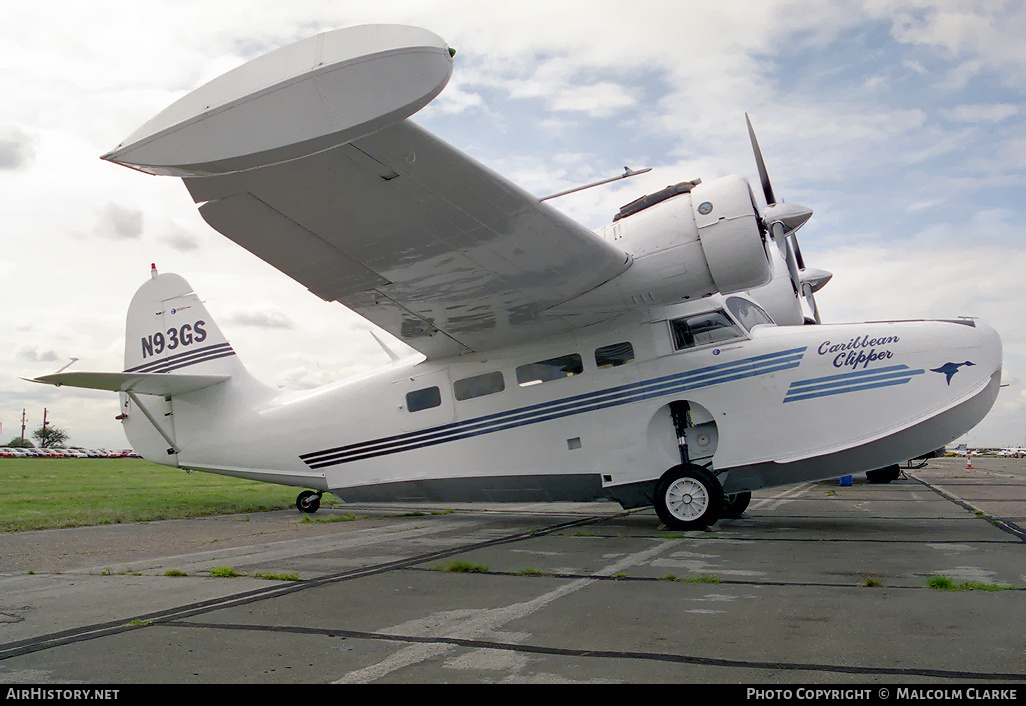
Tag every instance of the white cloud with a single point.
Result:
(979, 113)
(597, 100)
(34, 354)
(260, 316)
(16, 147)
(119, 222)
(182, 241)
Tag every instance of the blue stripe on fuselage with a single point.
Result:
(547, 411)
(849, 382)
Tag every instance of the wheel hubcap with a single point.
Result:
(687, 499)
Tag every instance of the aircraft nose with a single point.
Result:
(989, 345)
(964, 375)
(966, 355)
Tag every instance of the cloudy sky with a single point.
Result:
(899, 122)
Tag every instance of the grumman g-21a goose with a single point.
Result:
(674, 358)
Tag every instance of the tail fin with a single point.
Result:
(177, 362)
(169, 330)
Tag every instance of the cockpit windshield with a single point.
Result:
(702, 329)
(747, 312)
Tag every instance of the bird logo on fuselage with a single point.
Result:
(949, 369)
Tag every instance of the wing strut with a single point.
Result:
(627, 172)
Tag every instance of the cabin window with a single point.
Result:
(702, 329)
(547, 370)
(423, 399)
(478, 386)
(614, 355)
(748, 313)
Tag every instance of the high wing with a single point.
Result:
(415, 236)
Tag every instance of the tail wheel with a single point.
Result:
(308, 501)
(688, 497)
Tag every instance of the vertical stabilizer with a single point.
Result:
(169, 330)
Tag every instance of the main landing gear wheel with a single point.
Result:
(734, 505)
(308, 501)
(688, 497)
(884, 475)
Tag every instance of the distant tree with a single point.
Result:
(19, 443)
(50, 437)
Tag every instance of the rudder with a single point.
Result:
(169, 330)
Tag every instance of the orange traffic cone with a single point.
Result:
(968, 461)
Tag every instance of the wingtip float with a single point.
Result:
(308, 96)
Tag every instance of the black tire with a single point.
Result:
(688, 497)
(308, 501)
(884, 475)
(734, 505)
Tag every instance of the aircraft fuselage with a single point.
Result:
(604, 412)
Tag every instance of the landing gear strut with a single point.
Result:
(688, 497)
(308, 501)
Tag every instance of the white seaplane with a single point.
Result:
(674, 358)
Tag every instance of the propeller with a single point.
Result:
(781, 220)
(767, 188)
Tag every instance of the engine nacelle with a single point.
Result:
(686, 245)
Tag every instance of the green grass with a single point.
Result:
(229, 572)
(943, 583)
(463, 567)
(38, 493)
(311, 520)
(290, 576)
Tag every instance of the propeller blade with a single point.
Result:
(783, 243)
(798, 253)
(792, 268)
(780, 221)
(767, 189)
(810, 300)
(813, 280)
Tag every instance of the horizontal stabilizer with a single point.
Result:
(144, 383)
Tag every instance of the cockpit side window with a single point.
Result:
(748, 313)
(703, 329)
(614, 355)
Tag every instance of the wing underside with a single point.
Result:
(415, 236)
(144, 383)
